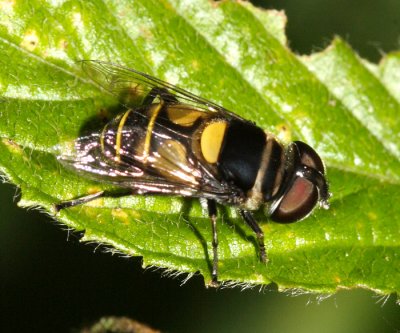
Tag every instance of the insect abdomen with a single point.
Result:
(124, 136)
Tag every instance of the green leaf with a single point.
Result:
(235, 55)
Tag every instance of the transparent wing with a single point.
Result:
(122, 81)
(167, 171)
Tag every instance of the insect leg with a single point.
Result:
(162, 93)
(88, 198)
(252, 223)
(212, 213)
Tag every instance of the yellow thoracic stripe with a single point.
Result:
(155, 112)
(119, 135)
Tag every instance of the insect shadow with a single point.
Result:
(223, 213)
(127, 99)
(97, 122)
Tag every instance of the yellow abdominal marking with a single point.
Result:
(119, 136)
(103, 132)
(149, 131)
(183, 115)
(211, 141)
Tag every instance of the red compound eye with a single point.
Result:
(306, 187)
(297, 202)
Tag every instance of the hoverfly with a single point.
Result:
(176, 143)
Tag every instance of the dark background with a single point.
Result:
(51, 283)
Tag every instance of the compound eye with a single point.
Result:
(309, 157)
(297, 202)
(305, 189)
